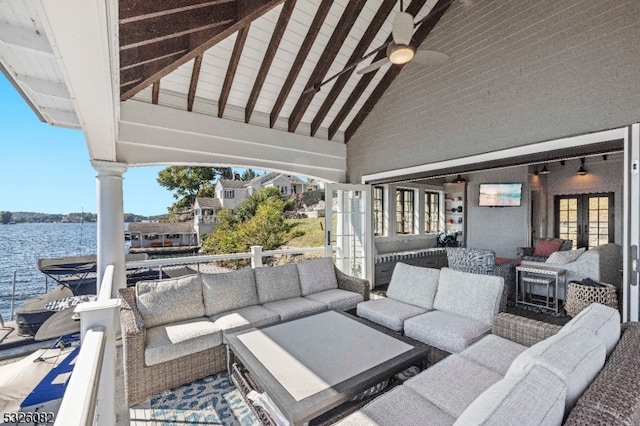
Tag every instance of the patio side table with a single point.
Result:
(547, 277)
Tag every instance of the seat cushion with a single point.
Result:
(337, 299)
(400, 406)
(603, 320)
(453, 383)
(575, 356)
(494, 352)
(449, 332)
(228, 291)
(171, 341)
(530, 398)
(277, 283)
(388, 312)
(413, 285)
(295, 307)
(470, 295)
(167, 301)
(249, 316)
(316, 275)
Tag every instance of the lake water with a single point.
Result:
(21, 246)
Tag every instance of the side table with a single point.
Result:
(548, 278)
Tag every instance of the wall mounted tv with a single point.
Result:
(500, 194)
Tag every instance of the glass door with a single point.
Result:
(348, 231)
(586, 219)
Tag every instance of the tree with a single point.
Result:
(5, 216)
(191, 182)
(249, 207)
(249, 174)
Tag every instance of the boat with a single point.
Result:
(76, 277)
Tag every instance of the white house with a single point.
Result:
(204, 215)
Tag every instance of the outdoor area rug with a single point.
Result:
(213, 400)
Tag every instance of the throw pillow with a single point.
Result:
(171, 300)
(544, 248)
(564, 257)
(317, 275)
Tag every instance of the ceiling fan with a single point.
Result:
(401, 49)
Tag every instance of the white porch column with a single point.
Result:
(110, 221)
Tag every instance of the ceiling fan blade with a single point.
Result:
(430, 57)
(373, 66)
(402, 28)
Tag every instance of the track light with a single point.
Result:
(581, 170)
(544, 170)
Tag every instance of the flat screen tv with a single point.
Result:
(500, 194)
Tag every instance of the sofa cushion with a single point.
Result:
(414, 285)
(603, 320)
(453, 383)
(533, 397)
(180, 338)
(167, 301)
(575, 356)
(494, 352)
(388, 312)
(565, 256)
(241, 318)
(295, 307)
(337, 299)
(400, 406)
(544, 247)
(228, 291)
(470, 295)
(449, 332)
(277, 283)
(316, 275)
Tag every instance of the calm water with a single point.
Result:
(22, 245)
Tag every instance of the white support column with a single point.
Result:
(256, 257)
(110, 221)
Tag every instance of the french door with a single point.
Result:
(348, 231)
(586, 219)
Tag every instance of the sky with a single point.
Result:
(46, 169)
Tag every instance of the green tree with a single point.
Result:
(5, 216)
(249, 174)
(249, 207)
(266, 228)
(190, 182)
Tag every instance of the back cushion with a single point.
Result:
(469, 295)
(317, 275)
(413, 285)
(544, 248)
(575, 356)
(602, 320)
(277, 282)
(231, 290)
(167, 301)
(533, 397)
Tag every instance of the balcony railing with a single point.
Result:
(90, 395)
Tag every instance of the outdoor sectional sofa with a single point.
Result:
(173, 330)
(526, 373)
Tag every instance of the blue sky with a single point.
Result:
(47, 169)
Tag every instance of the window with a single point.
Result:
(229, 193)
(587, 219)
(283, 190)
(378, 210)
(405, 211)
(431, 212)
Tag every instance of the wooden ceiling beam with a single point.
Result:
(349, 16)
(363, 83)
(232, 68)
(155, 93)
(248, 11)
(193, 86)
(274, 43)
(420, 35)
(136, 10)
(367, 38)
(305, 48)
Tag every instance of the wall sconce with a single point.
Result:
(459, 179)
(581, 170)
(544, 170)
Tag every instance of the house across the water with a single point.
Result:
(163, 236)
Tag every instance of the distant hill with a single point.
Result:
(30, 217)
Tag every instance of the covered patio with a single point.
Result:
(275, 85)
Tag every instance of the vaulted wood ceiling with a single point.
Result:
(282, 64)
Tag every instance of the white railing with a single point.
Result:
(90, 395)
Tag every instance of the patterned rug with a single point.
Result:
(213, 400)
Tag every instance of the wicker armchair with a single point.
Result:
(529, 253)
(483, 261)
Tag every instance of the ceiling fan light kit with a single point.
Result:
(400, 54)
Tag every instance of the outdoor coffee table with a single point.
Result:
(313, 364)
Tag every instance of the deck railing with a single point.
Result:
(90, 395)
